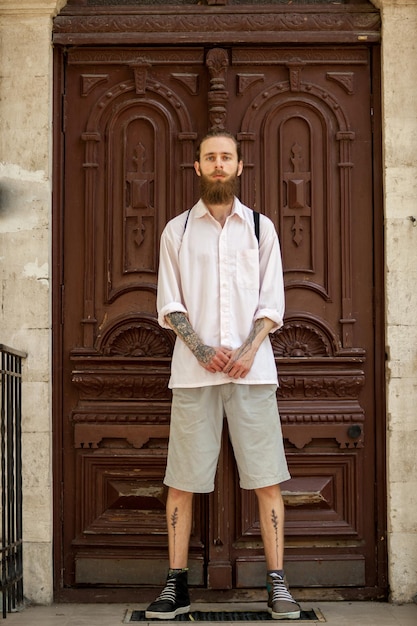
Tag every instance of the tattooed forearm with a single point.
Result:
(274, 519)
(182, 327)
(247, 344)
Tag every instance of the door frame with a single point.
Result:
(165, 26)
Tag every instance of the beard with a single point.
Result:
(218, 192)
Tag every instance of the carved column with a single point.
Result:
(217, 63)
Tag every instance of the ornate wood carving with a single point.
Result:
(131, 144)
(90, 81)
(296, 340)
(303, 193)
(287, 56)
(297, 197)
(116, 403)
(119, 384)
(128, 347)
(111, 56)
(336, 386)
(268, 24)
(93, 436)
(319, 392)
(190, 81)
(302, 435)
(294, 70)
(140, 69)
(155, 413)
(140, 204)
(323, 486)
(244, 81)
(138, 338)
(217, 63)
(344, 79)
(121, 495)
(326, 487)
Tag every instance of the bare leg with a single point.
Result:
(271, 514)
(179, 512)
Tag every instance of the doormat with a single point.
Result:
(312, 615)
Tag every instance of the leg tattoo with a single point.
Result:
(274, 519)
(174, 522)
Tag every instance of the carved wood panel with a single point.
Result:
(132, 119)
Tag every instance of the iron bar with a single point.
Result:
(11, 552)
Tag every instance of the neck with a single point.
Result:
(220, 212)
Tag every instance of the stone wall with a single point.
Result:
(25, 269)
(399, 87)
(25, 238)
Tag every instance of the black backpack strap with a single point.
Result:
(186, 220)
(256, 223)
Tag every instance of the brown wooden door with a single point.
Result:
(132, 119)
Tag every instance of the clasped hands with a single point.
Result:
(235, 363)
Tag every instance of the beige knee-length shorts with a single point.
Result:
(196, 429)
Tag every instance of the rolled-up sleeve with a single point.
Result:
(271, 293)
(169, 297)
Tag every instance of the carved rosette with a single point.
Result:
(319, 388)
(139, 339)
(298, 339)
(132, 362)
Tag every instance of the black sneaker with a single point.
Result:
(173, 600)
(281, 604)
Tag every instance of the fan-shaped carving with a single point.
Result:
(300, 340)
(139, 339)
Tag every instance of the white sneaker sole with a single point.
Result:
(171, 615)
(288, 615)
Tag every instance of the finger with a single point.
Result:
(238, 372)
(233, 372)
(223, 356)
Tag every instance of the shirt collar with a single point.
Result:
(200, 208)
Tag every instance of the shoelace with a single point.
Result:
(168, 593)
(280, 591)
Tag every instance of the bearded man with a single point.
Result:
(221, 291)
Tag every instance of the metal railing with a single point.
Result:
(11, 561)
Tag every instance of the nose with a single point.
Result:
(219, 163)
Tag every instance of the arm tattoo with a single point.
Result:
(183, 329)
(246, 345)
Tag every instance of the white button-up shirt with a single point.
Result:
(223, 280)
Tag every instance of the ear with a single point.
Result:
(197, 168)
(240, 168)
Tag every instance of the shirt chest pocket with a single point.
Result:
(247, 269)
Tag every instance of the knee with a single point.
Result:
(179, 496)
(271, 492)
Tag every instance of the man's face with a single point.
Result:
(218, 169)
